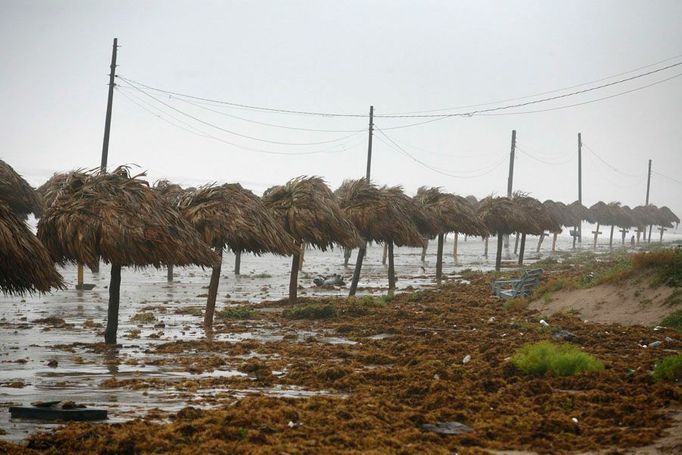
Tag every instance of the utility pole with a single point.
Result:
(510, 179)
(648, 187)
(580, 184)
(369, 143)
(110, 100)
(363, 248)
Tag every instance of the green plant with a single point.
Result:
(191, 310)
(236, 312)
(311, 311)
(667, 263)
(143, 318)
(557, 359)
(669, 369)
(674, 299)
(673, 321)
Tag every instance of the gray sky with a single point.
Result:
(332, 56)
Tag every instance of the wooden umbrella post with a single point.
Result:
(439, 258)
(611, 237)
(114, 302)
(485, 248)
(293, 279)
(426, 245)
(169, 273)
(651, 226)
(346, 256)
(237, 262)
(454, 247)
(213, 293)
(79, 284)
(383, 257)
(301, 257)
(554, 242)
(542, 237)
(662, 229)
(623, 233)
(596, 234)
(498, 258)
(391, 269)
(516, 243)
(523, 248)
(358, 268)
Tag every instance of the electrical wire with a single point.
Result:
(553, 163)
(200, 133)
(667, 177)
(612, 167)
(212, 125)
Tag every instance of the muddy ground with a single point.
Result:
(369, 375)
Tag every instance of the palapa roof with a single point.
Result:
(538, 218)
(626, 218)
(374, 212)
(668, 217)
(558, 212)
(451, 213)
(575, 213)
(600, 213)
(17, 193)
(307, 209)
(229, 215)
(172, 192)
(25, 264)
(501, 215)
(473, 202)
(52, 188)
(412, 221)
(120, 219)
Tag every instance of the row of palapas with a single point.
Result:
(120, 219)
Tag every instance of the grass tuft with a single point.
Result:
(236, 312)
(556, 359)
(669, 369)
(673, 321)
(311, 311)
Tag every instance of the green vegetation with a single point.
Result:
(674, 299)
(360, 306)
(673, 321)
(557, 359)
(143, 317)
(311, 311)
(667, 263)
(261, 275)
(669, 369)
(236, 312)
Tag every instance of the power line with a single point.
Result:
(212, 125)
(434, 117)
(667, 176)
(200, 133)
(394, 145)
(550, 91)
(553, 163)
(614, 168)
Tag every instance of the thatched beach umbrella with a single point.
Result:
(502, 217)
(307, 209)
(171, 192)
(599, 214)
(539, 219)
(450, 213)
(378, 215)
(575, 214)
(120, 219)
(668, 218)
(25, 264)
(21, 198)
(415, 224)
(230, 216)
(557, 211)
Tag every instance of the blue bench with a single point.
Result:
(519, 287)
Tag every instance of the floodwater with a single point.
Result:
(29, 339)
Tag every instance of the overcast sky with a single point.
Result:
(343, 56)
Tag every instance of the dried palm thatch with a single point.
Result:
(52, 188)
(667, 217)
(626, 218)
(25, 264)
(600, 213)
(307, 209)
(575, 214)
(172, 192)
(372, 211)
(473, 202)
(231, 216)
(502, 216)
(558, 212)
(451, 213)
(410, 216)
(120, 219)
(538, 218)
(17, 193)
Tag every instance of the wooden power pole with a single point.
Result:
(580, 184)
(648, 187)
(510, 181)
(110, 101)
(363, 248)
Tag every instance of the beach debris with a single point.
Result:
(446, 427)
(52, 363)
(655, 344)
(57, 410)
(466, 359)
(544, 323)
(333, 280)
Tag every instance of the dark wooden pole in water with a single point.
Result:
(439, 258)
(213, 292)
(293, 280)
(523, 248)
(596, 234)
(346, 256)
(516, 243)
(237, 262)
(424, 248)
(648, 187)
(114, 301)
(169, 273)
(391, 269)
(498, 258)
(540, 240)
(611, 238)
(554, 242)
(510, 179)
(356, 272)
(454, 247)
(369, 143)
